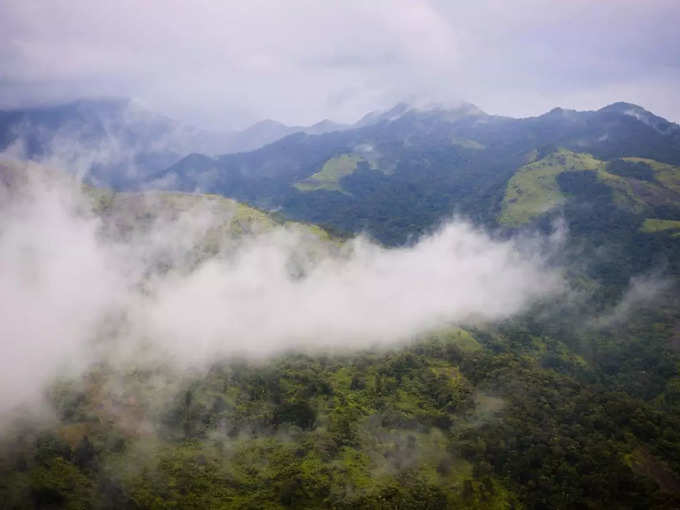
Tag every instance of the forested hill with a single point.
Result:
(119, 142)
(405, 169)
(612, 174)
(573, 403)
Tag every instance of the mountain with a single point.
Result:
(268, 131)
(398, 174)
(131, 217)
(573, 404)
(461, 148)
(118, 142)
(114, 141)
(457, 418)
(639, 113)
(394, 174)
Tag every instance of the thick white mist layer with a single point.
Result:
(68, 292)
(375, 295)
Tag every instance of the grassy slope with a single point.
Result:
(227, 216)
(139, 209)
(534, 190)
(656, 225)
(328, 178)
(666, 174)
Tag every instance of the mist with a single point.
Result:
(81, 285)
(213, 63)
(643, 291)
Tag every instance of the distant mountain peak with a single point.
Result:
(266, 124)
(622, 107)
(461, 108)
(645, 116)
(448, 111)
(385, 115)
(325, 126)
(561, 114)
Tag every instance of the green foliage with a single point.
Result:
(333, 170)
(554, 408)
(666, 174)
(634, 169)
(491, 418)
(533, 190)
(658, 225)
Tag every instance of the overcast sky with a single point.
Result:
(227, 63)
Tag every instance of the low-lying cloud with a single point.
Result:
(643, 291)
(78, 284)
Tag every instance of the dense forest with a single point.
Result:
(502, 417)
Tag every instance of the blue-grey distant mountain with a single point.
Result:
(613, 174)
(117, 142)
(579, 392)
(419, 164)
(268, 131)
(112, 141)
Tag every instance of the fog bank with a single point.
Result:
(81, 281)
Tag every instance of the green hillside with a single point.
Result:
(460, 419)
(574, 403)
(328, 178)
(533, 190)
(657, 225)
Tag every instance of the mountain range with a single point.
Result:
(573, 403)
(612, 175)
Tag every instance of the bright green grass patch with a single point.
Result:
(218, 223)
(639, 196)
(656, 225)
(223, 217)
(460, 337)
(626, 195)
(666, 174)
(328, 178)
(533, 190)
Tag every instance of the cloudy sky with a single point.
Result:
(227, 63)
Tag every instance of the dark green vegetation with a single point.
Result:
(516, 419)
(557, 408)
(400, 174)
(415, 167)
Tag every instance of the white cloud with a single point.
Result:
(66, 280)
(642, 291)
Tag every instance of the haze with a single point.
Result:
(73, 294)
